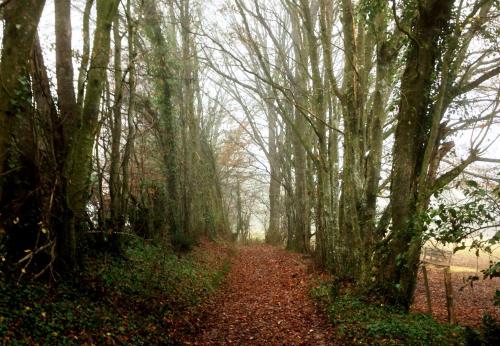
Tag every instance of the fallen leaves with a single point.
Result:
(471, 302)
(265, 301)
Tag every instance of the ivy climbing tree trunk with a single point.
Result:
(398, 261)
(167, 124)
(21, 21)
(81, 136)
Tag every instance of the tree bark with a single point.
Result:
(81, 141)
(301, 200)
(323, 208)
(167, 126)
(129, 145)
(398, 265)
(115, 184)
(273, 235)
(67, 122)
(21, 19)
(82, 74)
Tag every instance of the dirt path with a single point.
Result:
(264, 302)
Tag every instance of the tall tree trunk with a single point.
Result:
(82, 73)
(167, 122)
(115, 185)
(21, 19)
(301, 199)
(192, 153)
(129, 145)
(273, 235)
(68, 117)
(349, 220)
(20, 202)
(376, 118)
(334, 100)
(81, 141)
(399, 261)
(323, 208)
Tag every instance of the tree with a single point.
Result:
(417, 139)
(81, 126)
(20, 204)
(18, 38)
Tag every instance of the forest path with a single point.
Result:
(264, 301)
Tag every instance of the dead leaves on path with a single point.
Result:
(265, 301)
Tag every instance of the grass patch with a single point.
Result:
(135, 300)
(361, 322)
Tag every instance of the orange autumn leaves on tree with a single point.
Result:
(234, 153)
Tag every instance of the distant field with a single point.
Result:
(466, 258)
(467, 261)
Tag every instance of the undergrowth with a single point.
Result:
(361, 322)
(134, 300)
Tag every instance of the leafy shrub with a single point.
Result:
(131, 300)
(182, 242)
(324, 292)
(363, 322)
(488, 333)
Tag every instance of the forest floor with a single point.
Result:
(265, 301)
(217, 295)
(132, 300)
(471, 301)
(272, 297)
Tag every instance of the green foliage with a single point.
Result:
(487, 334)
(456, 223)
(490, 331)
(22, 96)
(133, 300)
(363, 322)
(182, 242)
(159, 273)
(372, 10)
(321, 293)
